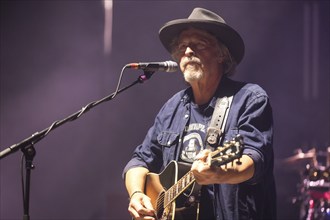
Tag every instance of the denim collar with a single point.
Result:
(220, 92)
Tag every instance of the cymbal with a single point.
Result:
(299, 161)
(301, 156)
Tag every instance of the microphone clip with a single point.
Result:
(147, 75)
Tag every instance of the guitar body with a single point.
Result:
(173, 192)
(182, 207)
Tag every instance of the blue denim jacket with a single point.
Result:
(250, 116)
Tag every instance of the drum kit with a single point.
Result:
(314, 188)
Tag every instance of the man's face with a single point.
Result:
(198, 54)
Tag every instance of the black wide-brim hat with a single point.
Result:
(203, 19)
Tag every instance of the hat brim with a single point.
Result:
(224, 33)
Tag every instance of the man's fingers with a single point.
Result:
(147, 204)
(141, 213)
(141, 208)
(202, 155)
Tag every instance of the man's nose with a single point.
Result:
(189, 51)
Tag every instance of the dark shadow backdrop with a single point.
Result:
(53, 63)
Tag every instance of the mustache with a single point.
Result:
(188, 60)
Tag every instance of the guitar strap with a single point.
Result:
(218, 121)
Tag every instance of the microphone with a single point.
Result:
(166, 66)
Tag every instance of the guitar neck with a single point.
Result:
(172, 193)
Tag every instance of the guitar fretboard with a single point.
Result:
(172, 193)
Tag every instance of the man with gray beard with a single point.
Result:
(208, 51)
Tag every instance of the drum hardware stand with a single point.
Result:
(27, 145)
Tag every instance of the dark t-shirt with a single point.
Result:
(194, 142)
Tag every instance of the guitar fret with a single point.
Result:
(165, 198)
(190, 176)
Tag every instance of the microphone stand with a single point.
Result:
(27, 145)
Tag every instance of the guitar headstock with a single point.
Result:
(230, 151)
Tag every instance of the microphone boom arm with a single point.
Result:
(36, 137)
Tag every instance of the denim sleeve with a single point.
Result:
(147, 154)
(256, 126)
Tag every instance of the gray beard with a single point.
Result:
(192, 75)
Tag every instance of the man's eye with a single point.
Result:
(201, 45)
(182, 47)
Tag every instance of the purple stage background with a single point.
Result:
(53, 63)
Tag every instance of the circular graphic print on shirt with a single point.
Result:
(192, 145)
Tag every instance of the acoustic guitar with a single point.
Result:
(173, 192)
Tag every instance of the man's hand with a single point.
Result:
(203, 172)
(231, 173)
(140, 207)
